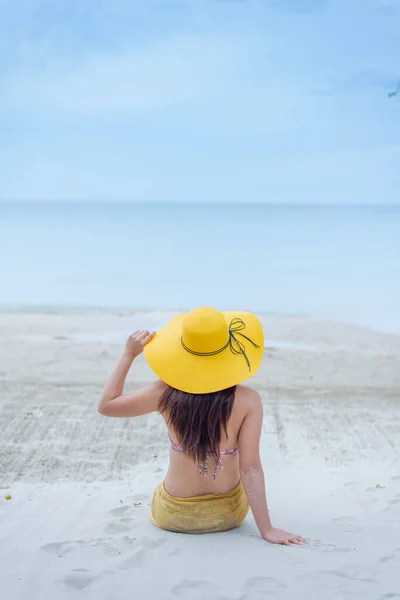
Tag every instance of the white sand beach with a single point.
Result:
(80, 484)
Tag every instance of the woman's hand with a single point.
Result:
(136, 342)
(280, 536)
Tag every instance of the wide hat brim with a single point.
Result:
(194, 374)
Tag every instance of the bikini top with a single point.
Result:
(203, 468)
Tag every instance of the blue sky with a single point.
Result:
(279, 101)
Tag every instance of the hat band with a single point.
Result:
(236, 346)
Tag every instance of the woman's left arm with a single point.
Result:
(113, 402)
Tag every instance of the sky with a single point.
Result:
(262, 101)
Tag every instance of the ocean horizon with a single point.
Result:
(336, 262)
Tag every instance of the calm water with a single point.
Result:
(336, 262)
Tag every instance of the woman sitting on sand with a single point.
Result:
(214, 424)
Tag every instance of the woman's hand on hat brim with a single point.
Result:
(137, 341)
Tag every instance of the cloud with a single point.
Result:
(132, 102)
(176, 70)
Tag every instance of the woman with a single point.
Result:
(214, 424)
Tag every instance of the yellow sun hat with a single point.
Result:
(206, 350)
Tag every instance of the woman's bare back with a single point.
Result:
(183, 478)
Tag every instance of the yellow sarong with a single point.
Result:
(199, 514)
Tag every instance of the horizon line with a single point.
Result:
(203, 203)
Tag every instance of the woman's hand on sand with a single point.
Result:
(280, 536)
(137, 341)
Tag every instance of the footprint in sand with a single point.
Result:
(120, 511)
(78, 579)
(193, 589)
(323, 547)
(257, 588)
(111, 550)
(264, 584)
(129, 541)
(349, 580)
(121, 525)
(132, 562)
(153, 543)
(62, 548)
(390, 556)
(136, 559)
(346, 524)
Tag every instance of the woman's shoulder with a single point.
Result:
(247, 395)
(247, 391)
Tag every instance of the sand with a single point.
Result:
(77, 523)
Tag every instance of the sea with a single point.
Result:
(333, 262)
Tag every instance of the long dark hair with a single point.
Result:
(198, 419)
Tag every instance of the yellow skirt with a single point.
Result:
(199, 514)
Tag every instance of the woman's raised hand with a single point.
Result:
(137, 341)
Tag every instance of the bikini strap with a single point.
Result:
(174, 446)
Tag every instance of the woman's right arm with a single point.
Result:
(252, 474)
